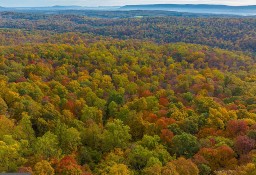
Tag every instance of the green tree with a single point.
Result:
(116, 135)
(10, 154)
(185, 144)
(24, 129)
(47, 146)
(70, 141)
(139, 156)
(91, 113)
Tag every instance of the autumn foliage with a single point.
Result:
(74, 103)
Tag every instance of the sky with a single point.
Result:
(39, 3)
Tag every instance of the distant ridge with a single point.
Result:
(59, 8)
(206, 9)
(249, 10)
(70, 6)
(188, 6)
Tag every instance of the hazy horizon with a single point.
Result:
(43, 3)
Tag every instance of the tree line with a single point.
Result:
(226, 33)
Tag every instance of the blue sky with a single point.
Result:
(33, 3)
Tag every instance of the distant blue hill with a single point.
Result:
(197, 8)
(72, 6)
(183, 8)
(201, 6)
(58, 8)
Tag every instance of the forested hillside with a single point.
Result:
(73, 104)
(227, 33)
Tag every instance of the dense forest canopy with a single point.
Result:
(104, 105)
(226, 33)
(133, 96)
